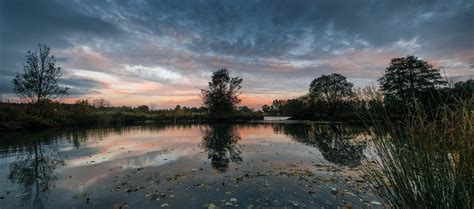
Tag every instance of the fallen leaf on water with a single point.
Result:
(211, 206)
(22, 195)
(346, 206)
(376, 203)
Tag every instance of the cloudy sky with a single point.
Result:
(138, 52)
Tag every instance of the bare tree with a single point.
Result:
(40, 77)
(153, 106)
(101, 103)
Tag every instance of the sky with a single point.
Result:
(163, 52)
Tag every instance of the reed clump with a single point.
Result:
(425, 161)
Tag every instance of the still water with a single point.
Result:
(261, 165)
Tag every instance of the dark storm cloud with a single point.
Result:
(25, 23)
(81, 86)
(272, 28)
(82, 83)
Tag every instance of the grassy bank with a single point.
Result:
(25, 116)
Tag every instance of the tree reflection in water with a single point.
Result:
(220, 143)
(338, 144)
(33, 170)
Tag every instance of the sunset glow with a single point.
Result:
(160, 52)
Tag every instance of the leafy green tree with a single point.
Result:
(407, 78)
(40, 77)
(331, 88)
(222, 95)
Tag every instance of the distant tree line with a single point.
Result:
(408, 83)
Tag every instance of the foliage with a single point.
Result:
(330, 88)
(406, 79)
(142, 108)
(40, 77)
(290, 107)
(222, 95)
(464, 90)
(348, 110)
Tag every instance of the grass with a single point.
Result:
(425, 162)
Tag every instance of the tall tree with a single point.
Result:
(222, 95)
(406, 78)
(331, 88)
(40, 77)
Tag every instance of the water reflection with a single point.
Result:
(33, 169)
(33, 160)
(338, 144)
(220, 143)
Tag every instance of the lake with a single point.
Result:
(256, 165)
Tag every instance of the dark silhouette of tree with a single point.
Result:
(267, 109)
(177, 108)
(245, 109)
(142, 108)
(331, 89)
(406, 78)
(220, 143)
(464, 89)
(40, 77)
(101, 103)
(222, 95)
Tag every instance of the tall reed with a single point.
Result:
(425, 162)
